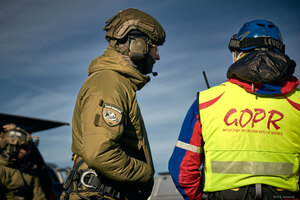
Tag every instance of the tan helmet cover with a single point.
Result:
(15, 136)
(133, 19)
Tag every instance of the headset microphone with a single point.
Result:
(154, 73)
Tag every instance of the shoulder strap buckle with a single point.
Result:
(88, 179)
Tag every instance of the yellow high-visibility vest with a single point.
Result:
(249, 139)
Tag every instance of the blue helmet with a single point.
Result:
(257, 34)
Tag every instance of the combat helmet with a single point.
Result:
(12, 140)
(119, 25)
(257, 34)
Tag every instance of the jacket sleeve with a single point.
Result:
(100, 146)
(38, 193)
(186, 159)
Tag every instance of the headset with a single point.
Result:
(138, 46)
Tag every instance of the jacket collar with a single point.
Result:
(112, 60)
(261, 66)
(266, 73)
(277, 89)
(5, 162)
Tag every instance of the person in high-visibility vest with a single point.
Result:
(241, 139)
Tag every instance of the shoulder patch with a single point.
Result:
(112, 115)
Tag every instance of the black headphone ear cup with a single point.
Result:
(138, 49)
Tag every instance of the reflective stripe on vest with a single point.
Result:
(246, 167)
(189, 147)
(249, 139)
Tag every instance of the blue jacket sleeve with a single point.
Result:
(185, 160)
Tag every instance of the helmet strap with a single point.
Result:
(145, 65)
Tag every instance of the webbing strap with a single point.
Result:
(79, 164)
(258, 191)
(95, 182)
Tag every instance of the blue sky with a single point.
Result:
(46, 47)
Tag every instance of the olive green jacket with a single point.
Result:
(108, 129)
(15, 184)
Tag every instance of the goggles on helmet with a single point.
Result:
(13, 139)
(257, 34)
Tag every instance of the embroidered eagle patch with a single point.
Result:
(111, 115)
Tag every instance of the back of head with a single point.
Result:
(257, 34)
(259, 43)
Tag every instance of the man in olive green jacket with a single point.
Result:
(17, 184)
(112, 158)
(18, 180)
